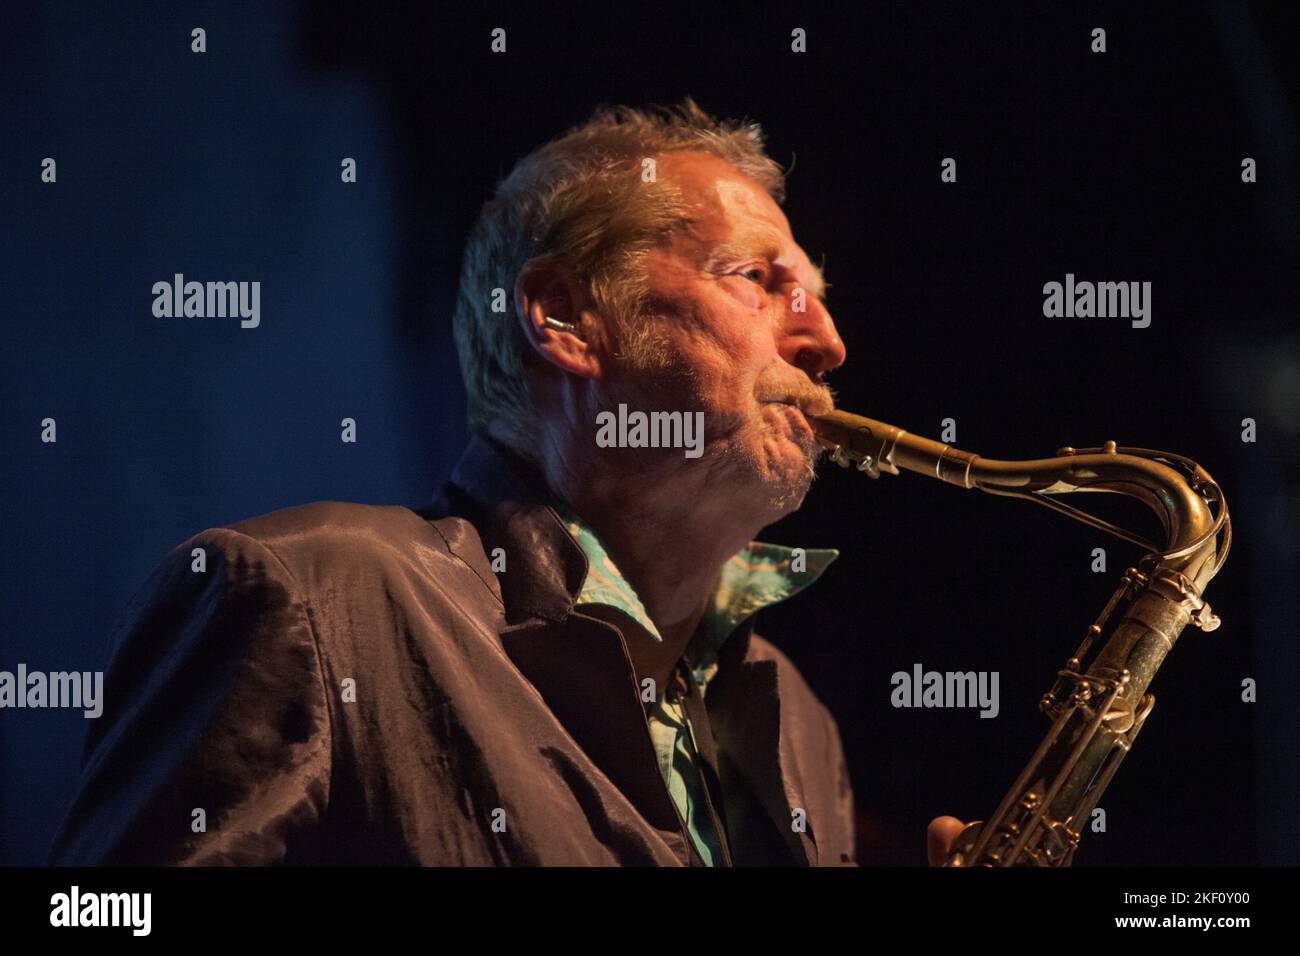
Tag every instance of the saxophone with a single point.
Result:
(1099, 701)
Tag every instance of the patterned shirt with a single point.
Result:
(755, 577)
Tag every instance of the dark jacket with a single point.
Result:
(351, 683)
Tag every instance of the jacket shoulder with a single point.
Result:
(328, 543)
(323, 525)
(215, 711)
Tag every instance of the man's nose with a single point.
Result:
(809, 340)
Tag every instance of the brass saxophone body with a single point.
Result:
(1099, 700)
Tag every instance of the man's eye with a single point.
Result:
(758, 274)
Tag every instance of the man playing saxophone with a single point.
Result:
(555, 663)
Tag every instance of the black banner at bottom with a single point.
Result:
(328, 905)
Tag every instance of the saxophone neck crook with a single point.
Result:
(1177, 489)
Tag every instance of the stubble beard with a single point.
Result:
(757, 459)
(746, 453)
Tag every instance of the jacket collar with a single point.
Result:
(544, 566)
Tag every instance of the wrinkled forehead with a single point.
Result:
(734, 218)
(720, 195)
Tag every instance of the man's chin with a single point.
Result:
(790, 477)
(774, 468)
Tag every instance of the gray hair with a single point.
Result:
(580, 200)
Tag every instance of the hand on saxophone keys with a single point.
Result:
(939, 836)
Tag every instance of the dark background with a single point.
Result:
(1118, 166)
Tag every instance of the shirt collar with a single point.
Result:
(757, 576)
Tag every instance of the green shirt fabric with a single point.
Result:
(755, 577)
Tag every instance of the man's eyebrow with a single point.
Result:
(819, 285)
(724, 253)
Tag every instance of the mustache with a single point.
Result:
(810, 398)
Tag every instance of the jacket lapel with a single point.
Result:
(744, 704)
(582, 671)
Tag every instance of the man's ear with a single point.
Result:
(572, 339)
